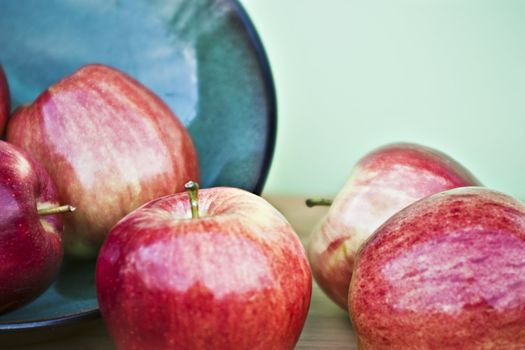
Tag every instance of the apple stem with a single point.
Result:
(310, 202)
(193, 193)
(56, 210)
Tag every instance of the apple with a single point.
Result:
(447, 272)
(221, 271)
(382, 183)
(4, 101)
(109, 144)
(30, 235)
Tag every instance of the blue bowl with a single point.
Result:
(202, 57)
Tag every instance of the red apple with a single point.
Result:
(448, 272)
(109, 144)
(4, 101)
(382, 183)
(30, 244)
(235, 276)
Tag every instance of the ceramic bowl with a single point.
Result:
(202, 57)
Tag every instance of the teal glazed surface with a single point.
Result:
(202, 57)
(72, 296)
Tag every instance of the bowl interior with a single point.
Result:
(200, 56)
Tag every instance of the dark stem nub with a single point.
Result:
(56, 210)
(193, 193)
(310, 202)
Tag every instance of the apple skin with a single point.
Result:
(30, 245)
(447, 272)
(382, 183)
(109, 144)
(235, 278)
(5, 102)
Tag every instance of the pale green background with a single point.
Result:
(353, 75)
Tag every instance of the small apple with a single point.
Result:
(109, 144)
(221, 271)
(447, 272)
(30, 235)
(382, 183)
(4, 101)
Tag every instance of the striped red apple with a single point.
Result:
(109, 144)
(447, 272)
(382, 183)
(221, 271)
(30, 240)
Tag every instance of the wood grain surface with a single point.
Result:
(327, 325)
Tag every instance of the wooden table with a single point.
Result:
(327, 326)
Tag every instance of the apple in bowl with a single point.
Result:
(447, 272)
(221, 271)
(109, 144)
(382, 183)
(30, 228)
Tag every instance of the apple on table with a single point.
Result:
(381, 183)
(109, 144)
(215, 269)
(447, 272)
(30, 228)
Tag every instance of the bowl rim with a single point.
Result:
(269, 89)
(271, 135)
